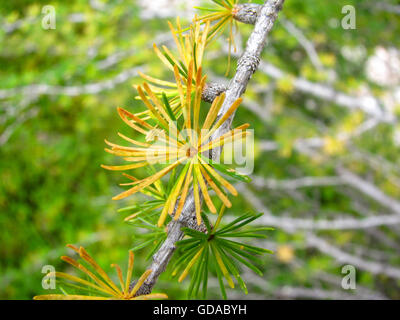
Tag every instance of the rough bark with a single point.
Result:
(247, 65)
(212, 90)
(247, 12)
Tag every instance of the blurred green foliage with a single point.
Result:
(53, 191)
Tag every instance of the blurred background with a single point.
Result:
(324, 105)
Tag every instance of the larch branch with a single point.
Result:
(247, 65)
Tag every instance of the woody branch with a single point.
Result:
(247, 65)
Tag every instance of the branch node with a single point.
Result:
(249, 61)
(212, 90)
(246, 12)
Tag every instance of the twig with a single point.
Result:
(304, 42)
(387, 7)
(322, 245)
(314, 293)
(344, 257)
(247, 13)
(293, 224)
(368, 104)
(289, 292)
(297, 182)
(370, 190)
(7, 133)
(89, 88)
